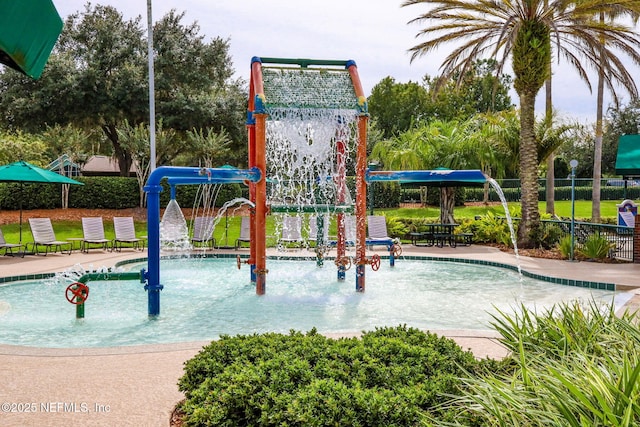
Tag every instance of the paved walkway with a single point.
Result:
(136, 386)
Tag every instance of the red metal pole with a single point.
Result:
(342, 175)
(260, 235)
(361, 186)
(361, 203)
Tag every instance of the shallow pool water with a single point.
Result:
(205, 298)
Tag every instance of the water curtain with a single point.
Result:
(309, 115)
(310, 112)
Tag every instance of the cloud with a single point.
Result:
(374, 33)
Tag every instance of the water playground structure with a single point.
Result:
(304, 119)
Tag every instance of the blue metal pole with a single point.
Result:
(153, 188)
(153, 286)
(360, 277)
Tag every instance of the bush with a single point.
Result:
(186, 194)
(595, 247)
(385, 194)
(104, 192)
(101, 192)
(574, 365)
(564, 247)
(389, 377)
(490, 229)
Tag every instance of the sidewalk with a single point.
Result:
(136, 386)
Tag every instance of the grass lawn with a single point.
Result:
(608, 209)
(228, 229)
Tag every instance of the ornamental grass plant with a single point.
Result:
(576, 365)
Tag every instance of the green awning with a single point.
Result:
(28, 31)
(628, 158)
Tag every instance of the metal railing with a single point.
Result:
(620, 238)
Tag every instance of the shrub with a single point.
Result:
(574, 365)
(389, 377)
(564, 247)
(595, 247)
(492, 229)
(385, 194)
(101, 192)
(395, 227)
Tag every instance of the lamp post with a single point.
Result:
(152, 99)
(574, 165)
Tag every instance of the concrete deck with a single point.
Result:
(136, 385)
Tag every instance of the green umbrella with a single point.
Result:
(28, 31)
(26, 172)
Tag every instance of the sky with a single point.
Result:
(373, 33)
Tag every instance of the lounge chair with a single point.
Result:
(125, 234)
(245, 232)
(313, 229)
(203, 232)
(93, 234)
(377, 229)
(291, 230)
(43, 235)
(349, 232)
(9, 247)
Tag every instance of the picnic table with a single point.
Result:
(438, 235)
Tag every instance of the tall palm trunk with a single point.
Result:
(528, 171)
(550, 184)
(597, 146)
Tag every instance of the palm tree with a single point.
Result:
(525, 31)
(449, 144)
(631, 10)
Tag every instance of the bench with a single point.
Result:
(464, 239)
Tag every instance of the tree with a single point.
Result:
(66, 141)
(525, 32)
(480, 90)
(632, 9)
(429, 146)
(97, 78)
(134, 139)
(397, 106)
(210, 148)
(18, 145)
(621, 120)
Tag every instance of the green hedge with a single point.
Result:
(100, 193)
(32, 196)
(385, 194)
(105, 193)
(389, 377)
(186, 194)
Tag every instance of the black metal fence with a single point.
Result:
(620, 238)
(610, 189)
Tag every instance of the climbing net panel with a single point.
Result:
(308, 88)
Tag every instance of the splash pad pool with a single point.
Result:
(303, 116)
(205, 298)
(202, 305)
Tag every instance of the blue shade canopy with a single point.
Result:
(28, 31)
(434, 178)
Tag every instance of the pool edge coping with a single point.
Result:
(605, 286)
